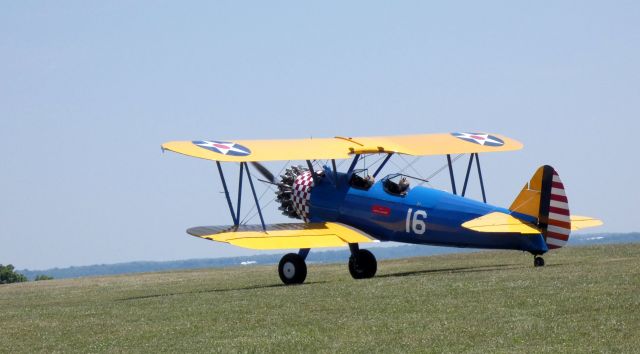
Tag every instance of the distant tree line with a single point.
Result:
(9, 275)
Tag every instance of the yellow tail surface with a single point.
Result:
(543, 198)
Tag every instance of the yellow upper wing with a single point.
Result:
(283, 236)
(342, 147)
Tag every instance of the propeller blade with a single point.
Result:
(265, 181)
(264, 172)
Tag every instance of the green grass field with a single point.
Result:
(587, 299)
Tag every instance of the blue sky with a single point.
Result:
(89, 91)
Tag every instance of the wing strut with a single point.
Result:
(335, 172)
(240, 190)
(255, 197)
(226, 194)
(472, 156)
(313, 173)
(384, 162)
(466, 177)
(353, 166)
(236, 215)
(484, 197)
(453, 181)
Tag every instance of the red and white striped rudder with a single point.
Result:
(554, 217)
(545, 199)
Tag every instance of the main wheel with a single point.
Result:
(292, 269)
(538, 262)
(362, 265)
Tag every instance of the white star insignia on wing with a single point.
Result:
(223, 147)
(479, 138)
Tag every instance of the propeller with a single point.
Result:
(285, 186)
(264, 172)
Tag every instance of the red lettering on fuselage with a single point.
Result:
(381, 210)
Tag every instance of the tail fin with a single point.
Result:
(544, 198)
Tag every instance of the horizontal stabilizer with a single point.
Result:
(284, 236)
(584, 222)
(500, 223)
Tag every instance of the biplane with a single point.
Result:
(357, 206)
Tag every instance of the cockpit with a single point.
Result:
(395, 184)
(398, 188)
(361, 179)
(398, 183)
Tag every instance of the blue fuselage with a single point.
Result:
(422, 216)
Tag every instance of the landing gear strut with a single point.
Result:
(362, 263)
(292, 269)
(538, 261)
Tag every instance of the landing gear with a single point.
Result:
(292, 269)
(362, 264)
(538, 261)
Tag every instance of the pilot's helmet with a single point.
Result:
(403, 183)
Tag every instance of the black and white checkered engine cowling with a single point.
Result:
(294, 192)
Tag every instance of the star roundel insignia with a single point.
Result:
(480, 139)
(223, 147)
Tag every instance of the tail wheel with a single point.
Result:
(362, 265)
(292, 269)
(538, 262)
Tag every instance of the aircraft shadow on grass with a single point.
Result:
(253, 287)
(487, 268)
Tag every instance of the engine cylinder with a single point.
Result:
(294, 192)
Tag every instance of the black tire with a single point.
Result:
(538, 262)
(292, 269)
(362, 265)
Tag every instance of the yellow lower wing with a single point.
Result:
(283, 236)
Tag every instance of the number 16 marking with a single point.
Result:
(415, 225)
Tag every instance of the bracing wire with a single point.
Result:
(410, 165)
(445, 166)
(435, 173)
(250, 216)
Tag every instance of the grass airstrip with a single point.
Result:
(586, 299)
